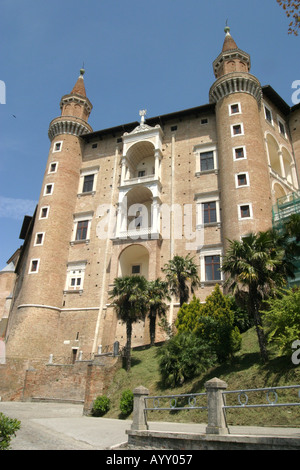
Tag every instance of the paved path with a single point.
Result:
(58, 426)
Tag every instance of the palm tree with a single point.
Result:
(157, 293)
(255, 266)
(182, 276)
(129, 295)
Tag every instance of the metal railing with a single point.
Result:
(271, 397)
(176, 402)
(216, 408)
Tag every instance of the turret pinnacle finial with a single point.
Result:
(227, 29)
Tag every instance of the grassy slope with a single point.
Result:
(243, 372)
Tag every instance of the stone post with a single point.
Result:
(216, 419)
(139, 419)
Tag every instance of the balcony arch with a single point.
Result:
(134, 259)
(288, 165)
(140, 164)
(278, 191)
(138, 213)
(274, 155)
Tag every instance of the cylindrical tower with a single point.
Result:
(39, 296)
(243, 169)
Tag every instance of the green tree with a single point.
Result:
(255, 266)
(188, 316)
(129, 295)
(157, 292)
(213, 321)
(182, 277)
(221, 332)
(282, 317)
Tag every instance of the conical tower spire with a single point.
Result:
(79, 88)
(229, 42)
(232, 58)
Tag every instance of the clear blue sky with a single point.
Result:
(137, 54)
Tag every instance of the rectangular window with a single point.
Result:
(88, 183)
(212, 268)
(48, 189)
(34, 266)
(53, 167)
(281, 128)
(234, 109)
(207, 161)
(39, 238)
(268, 114)
(44, 212)
(245, 211)
(141, 173)
(136, 269)
(242, 180)
(57, 147)
(236, 129)
(75, 276)
(209, 212)
(82, 228)
(239, 153)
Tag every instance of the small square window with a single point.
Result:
(94, 146)
(234, 108)
(204, 121)
(239, 153)
(237, 129)
(245, 211)
(136, 269)
(242, 179)
(141, 173)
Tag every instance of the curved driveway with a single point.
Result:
(58, 426)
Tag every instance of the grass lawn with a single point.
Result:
(244, 371)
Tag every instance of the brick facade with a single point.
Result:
(220, 166)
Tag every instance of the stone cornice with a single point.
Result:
(68, 125)
(236, 82)
(76, 98)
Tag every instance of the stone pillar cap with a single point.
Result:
(215, 383)
(141, 390)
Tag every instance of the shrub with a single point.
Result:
(283, 320)
(8, 429)
(101, 405)
(126, 402)
(184, 356)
